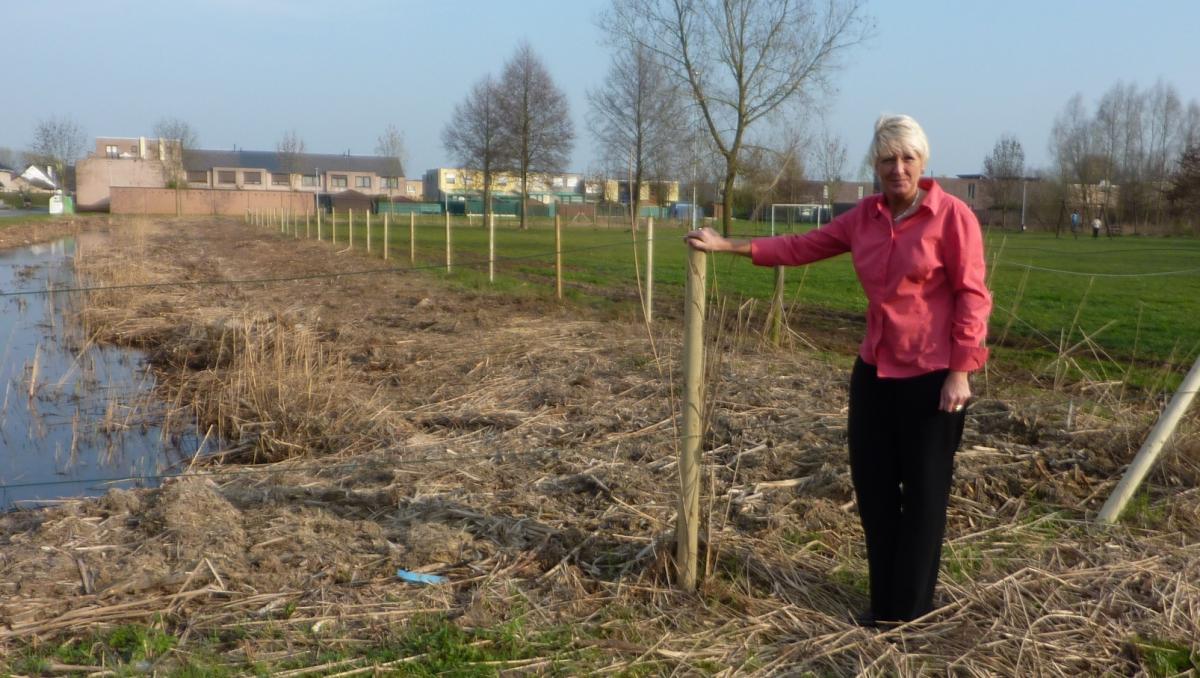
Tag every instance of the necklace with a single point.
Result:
(912, 207)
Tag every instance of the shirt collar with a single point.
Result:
(934, 198)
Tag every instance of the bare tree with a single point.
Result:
(474, 134)
(8, 157)
(829, 160)
(57, 142)
(537, 130)
(391, 146)
(1164, 118)
(741, 60)
(636, 117)
(1080, 169)
(1004, 168)
(290, 149)
(177, 137)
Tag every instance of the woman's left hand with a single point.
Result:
(956, 391)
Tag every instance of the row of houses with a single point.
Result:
(156, 164)
(146, 174)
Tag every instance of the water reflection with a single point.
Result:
(72, 412)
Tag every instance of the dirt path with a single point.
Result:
(525, 452)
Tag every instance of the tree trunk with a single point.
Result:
(727, 200)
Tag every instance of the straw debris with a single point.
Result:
(527, 453)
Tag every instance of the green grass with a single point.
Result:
(1105, 289)
(430, 645)
(1168, 658)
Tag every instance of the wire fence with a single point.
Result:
(792, 425)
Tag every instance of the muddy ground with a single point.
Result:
(525, 451)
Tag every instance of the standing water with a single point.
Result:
(75, 418)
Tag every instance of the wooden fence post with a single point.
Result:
(649, 270)
(412, 238)
(557, 256)
(385, 235)
(333, 226)
(350, 228)
(777, 307)
(307, 231)
(368, 231)
(687, 525)
(319, 211)
(448, 241)
(491, 247)
(1146, 456)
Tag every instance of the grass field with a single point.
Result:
(1117, 302)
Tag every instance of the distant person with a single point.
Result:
(1075, 223)
(918, 254)
(1096, 227)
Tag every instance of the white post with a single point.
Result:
(350, 212)
(385, 234)
(491, 247)
(448, 263)
(412, 237)
(1146, 456)
(368, 231)
(649, 270)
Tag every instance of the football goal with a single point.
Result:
(784, 216)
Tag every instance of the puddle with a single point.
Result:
(75, 419)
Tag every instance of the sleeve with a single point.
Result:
(966, 272)
(795, 249)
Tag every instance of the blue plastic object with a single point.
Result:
(420, 578)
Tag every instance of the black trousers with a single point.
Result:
(901, 461)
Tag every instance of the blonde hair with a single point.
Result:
(898, 133)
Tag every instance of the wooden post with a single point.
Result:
(333, 226)
(777, 308)
(350, 228)
(557, 256)
(385, 235)
(307, 231)
(687, 526)
(447, 241)
(319, 210)
(491, 247)
(412, 237)
(1146, 456)
(649, 270)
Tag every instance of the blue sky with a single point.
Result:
(243, 72)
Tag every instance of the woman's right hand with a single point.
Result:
(708, 240)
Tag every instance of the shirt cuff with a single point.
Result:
(968, 358)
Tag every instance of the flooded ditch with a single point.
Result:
(76, 418)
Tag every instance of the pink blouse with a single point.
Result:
(927, 305)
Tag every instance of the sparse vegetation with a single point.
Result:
(524, 450)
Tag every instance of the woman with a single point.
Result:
(918, 253)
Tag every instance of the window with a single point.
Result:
(573, 181)
(226, 177)
(970, 191)
(558, 182)
(197, 177)
(860, 192)
(337, 180)
(111, 151)
(412, 190)
(280, 179)
(252, 178)
(308, 180)
(450, 178)
(389, 182)
(502, 181)
(362, 182)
